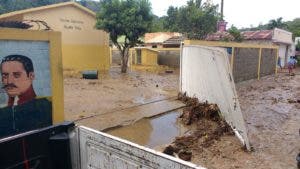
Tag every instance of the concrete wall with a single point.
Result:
(169, 58)
(245, 60)
(149, 57)
(83, 47)
(245, 64)
(282, 36)
(268, 62)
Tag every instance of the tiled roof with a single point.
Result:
(247, 35)
(258, 35)
(174, 40)
(220, 35)
(159, 37)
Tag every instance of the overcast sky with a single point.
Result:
(243, 13)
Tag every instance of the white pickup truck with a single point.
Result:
(67, 146)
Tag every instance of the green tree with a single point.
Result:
(298, 46)
(198, 3)
(294, 27)
(2, 10)
(92, 5)
(128, 18)
(195, 20)
(14, 5)
(233, 31)
(158, 24)
(276, 23)
(171, 20)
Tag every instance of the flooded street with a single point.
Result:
(269, 105)
(115, 91)
(152, 132)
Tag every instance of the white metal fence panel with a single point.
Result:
(206, 74)
(102, 151)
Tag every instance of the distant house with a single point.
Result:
(83, 47)
(276, 36)
(173, 42)
(163, 39)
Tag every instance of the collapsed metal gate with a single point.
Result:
(205, 74)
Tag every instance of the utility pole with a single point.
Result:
(222, 7)
(221, 25)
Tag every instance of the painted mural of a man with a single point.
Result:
(24, 111)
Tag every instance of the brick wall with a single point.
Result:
(246, 61)
(245, 64)
(268, 62)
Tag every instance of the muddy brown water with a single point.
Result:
(152, 132)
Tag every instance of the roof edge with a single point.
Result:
(14, 13)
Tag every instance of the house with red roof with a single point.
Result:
(279, 37)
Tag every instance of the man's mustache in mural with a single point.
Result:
(10, 85)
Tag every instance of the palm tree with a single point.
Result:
(276, 23)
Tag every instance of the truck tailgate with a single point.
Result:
(92, 149)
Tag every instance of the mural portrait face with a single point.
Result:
(25, 86)
(15, 79)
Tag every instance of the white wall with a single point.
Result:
(206, 74)
(282, 36)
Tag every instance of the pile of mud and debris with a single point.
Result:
(208, 124)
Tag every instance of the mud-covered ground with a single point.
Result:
(115, 91)
(272, 111)
(270, 108)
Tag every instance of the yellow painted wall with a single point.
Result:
(95, 57)
(83, 47)
(76, 25)
(54, 39)
(149, 57)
